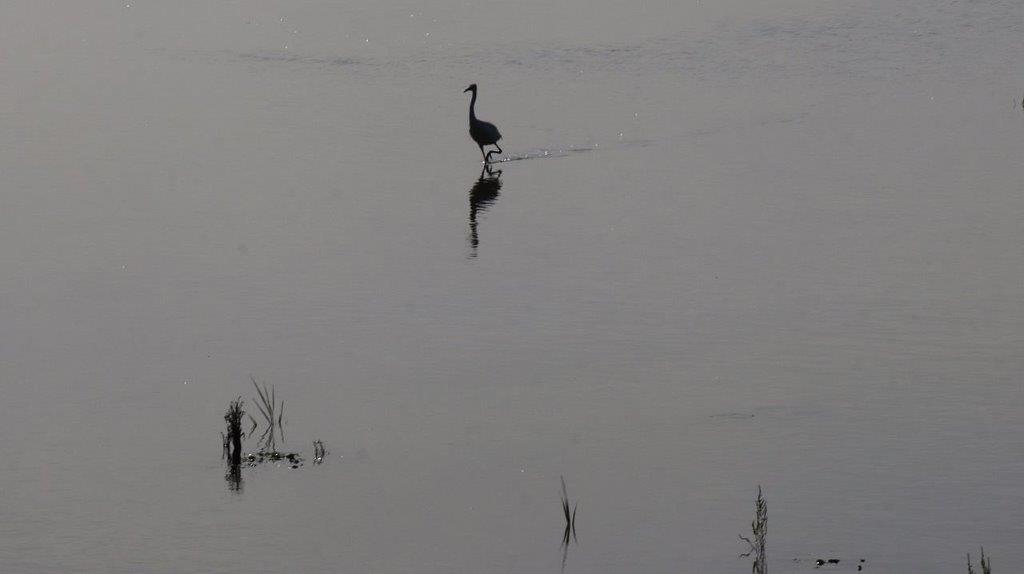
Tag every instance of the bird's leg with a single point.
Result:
(493, 151)
(483, 154)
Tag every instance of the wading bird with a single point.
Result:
(483, 133)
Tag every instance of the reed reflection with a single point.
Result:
(233, 477)
(482, 195)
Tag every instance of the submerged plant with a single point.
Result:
(986, 564)
(759, 529)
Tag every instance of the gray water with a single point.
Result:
(751, 243)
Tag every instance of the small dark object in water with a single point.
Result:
(319, 451)
(833, 561)
(819, 562)
(733, 416)
(261, 456)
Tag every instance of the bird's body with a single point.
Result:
(483, 133)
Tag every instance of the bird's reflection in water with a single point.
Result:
(482, 195)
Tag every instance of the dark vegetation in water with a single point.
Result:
(272, 422)
(986, 563)
(232, 440)
(272, 413)
(292, 459)
(570, 517)
(233, 436)
(273, 416)
(570, 524)
(759, 531)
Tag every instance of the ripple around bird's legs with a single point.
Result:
(544, 153)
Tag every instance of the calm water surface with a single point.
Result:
(772, 243)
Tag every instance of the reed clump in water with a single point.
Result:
(986, 563)
(273, 416)
(272, 413)
(233, 436)
(232, 439)
(759, 529)
(272, 419)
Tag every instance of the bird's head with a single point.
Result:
(471, 88)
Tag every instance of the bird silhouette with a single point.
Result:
(483, 133)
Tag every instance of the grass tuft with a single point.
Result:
(759, 529)
(273, 416)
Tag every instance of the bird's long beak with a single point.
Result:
(466, 90)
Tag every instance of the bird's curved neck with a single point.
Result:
(472, 105)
